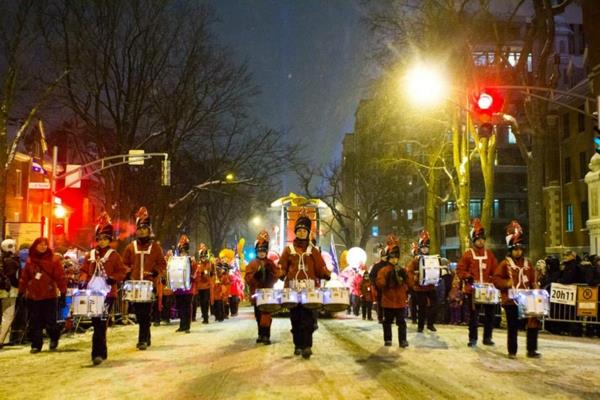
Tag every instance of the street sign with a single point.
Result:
(563, 294)
(39, 185)
(587, 301)
(73, 181)
(136, 160)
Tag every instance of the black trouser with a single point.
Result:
(512, 320)
(379, 306)
(425, 309)
(263, 331)
(389, 315)
(413, 306)
(488, 321)
(226, 307)
(355, 304)
(219, 310)
(234, 303)
(165, 313)
(367, 306)
(303, 325)
(42, 314)
(204, 299)
(183, 302)
(143, 315)
(100, 324)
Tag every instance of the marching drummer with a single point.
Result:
(301, 260)
(203, 282)
(183, 297)
(261, 273)
(477, 265)
(106, 261)
(392, 283)
(145, 261)
(425, 294)
(515, 272)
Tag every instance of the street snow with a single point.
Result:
(222, 361)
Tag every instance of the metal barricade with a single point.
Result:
(568, 313)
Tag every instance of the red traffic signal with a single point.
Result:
(487, 102)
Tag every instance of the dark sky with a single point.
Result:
(309, 59)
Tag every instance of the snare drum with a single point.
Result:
(138, 291)
(267, 300)
(485, 293)
(311, 298)
(336, 299)
(289, 298)
(88, 303)
(178, 273)
(533, 303)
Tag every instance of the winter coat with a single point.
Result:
(9, 269)
(468, 267)
(366, 290)
(412, 269)
(518, 274)
(263, 279)
(51, 276)
(571, 273)
(154, 261)
(237, 285)
(394, 292)
(113, 267)
(356, 285)
(203, 277)
(315, 267)
(221, 288)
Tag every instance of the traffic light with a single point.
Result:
(58, 228)
(597, 139)
(486, 102)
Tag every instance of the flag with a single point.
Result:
(336, 267)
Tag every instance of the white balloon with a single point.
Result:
(356, 257)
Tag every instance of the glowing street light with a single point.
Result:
(257, 220)
(426, 85)
(229, 177)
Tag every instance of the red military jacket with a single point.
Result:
(314, 265)
(412, 269)
(514, 274)
(478, 264)
(43, 277)
(113, 267)
(391, 297)
(152, 256)
(203, 277)
(253, 283)
(221, 289)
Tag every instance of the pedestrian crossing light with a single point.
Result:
(487, 102)
(166, 173)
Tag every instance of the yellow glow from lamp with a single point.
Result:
(426, 85)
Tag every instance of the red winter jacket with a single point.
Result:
(113, 267)
(51, 275)
(468, 267)
(394, 296)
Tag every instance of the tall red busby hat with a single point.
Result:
(142, 219)
(392, 248)
(423, 239)
(514, 235)
(104, 228)
(477, 231)
(202, 250)
(184, 243)
(414, 248)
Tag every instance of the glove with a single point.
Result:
(128, 276)
(163, 280)
(62, 301)
(402, 274)
(110, 281)
(82, 285)
(391, 279)
(328, 277)
(154, 274)
(469, 280)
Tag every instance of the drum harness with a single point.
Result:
(301, 264)
(522, 278)
(142, 254)
(481, 260)
(100, 274)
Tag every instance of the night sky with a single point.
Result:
(309, 59)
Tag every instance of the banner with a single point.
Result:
(587, 301)
(563, 294)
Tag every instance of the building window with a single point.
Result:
(567, 176)
(583, 164)
(580, 122)
(18, 183)
(374, 230)
(496, 208)
(475, 208)
(394, 215)
(409, 215)
(585, 215)
(569, 218)
(566, 125)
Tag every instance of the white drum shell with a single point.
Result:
(485, 293)
(268, 300)
(533, 303)
(289, 298)
(88, 303)
(179, 272)
(311, 298)
(336, 299)
(138, 291)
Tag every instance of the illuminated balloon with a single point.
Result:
(343, 259)
(357, 257)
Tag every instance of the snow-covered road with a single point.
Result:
(222, 361)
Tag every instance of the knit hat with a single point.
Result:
(477, 231)
(514, 235)
(262, 242)
(303, 221)
(9, 245)
(142, 219)
(104, 228)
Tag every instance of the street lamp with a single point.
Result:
(256, 220)
(426, 85)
